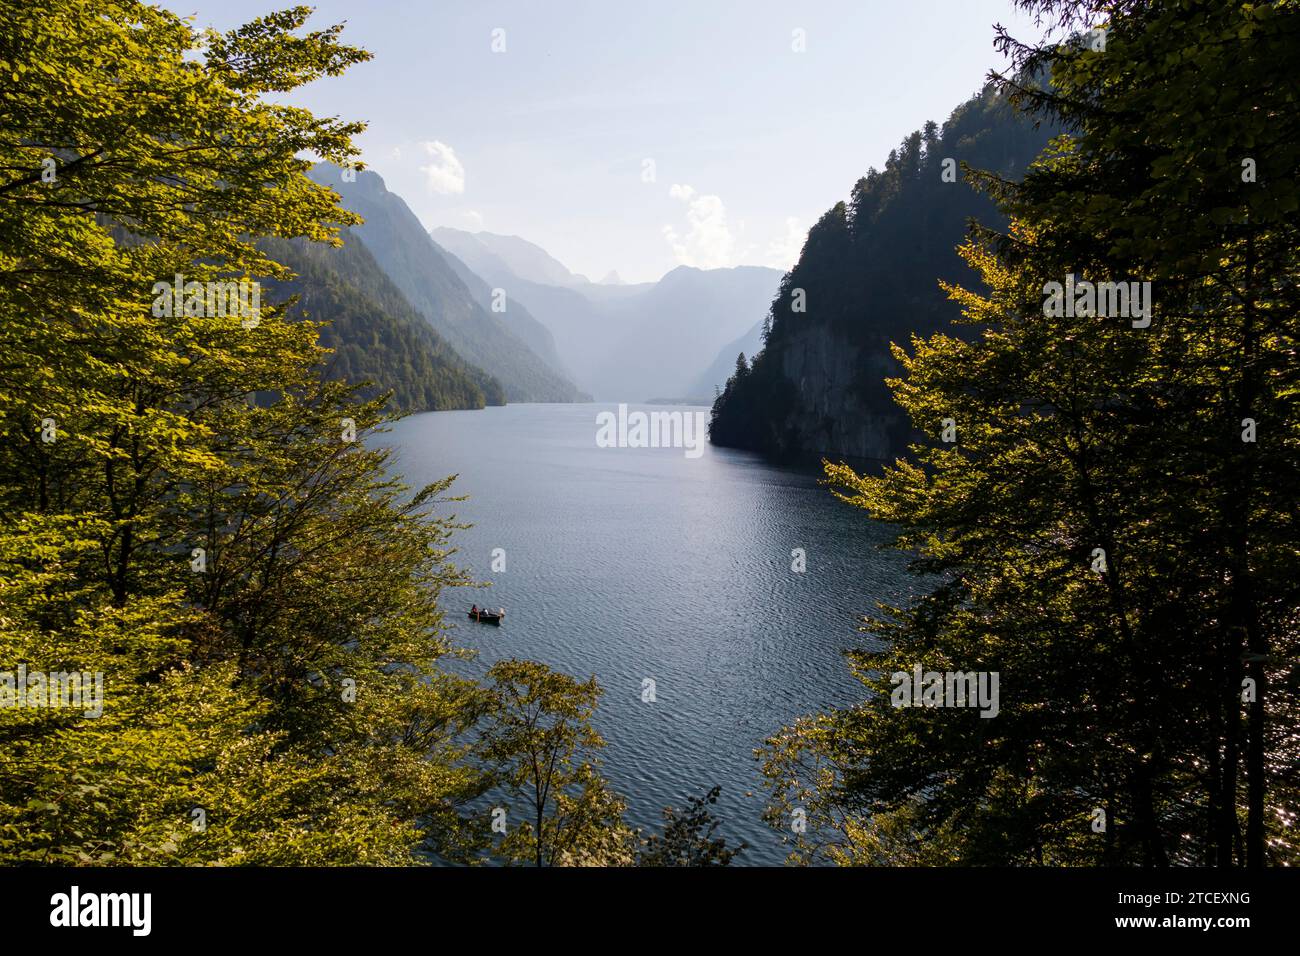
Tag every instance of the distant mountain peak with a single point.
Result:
(508, 348)
(612, 278)
(525, 259)
(362, 181)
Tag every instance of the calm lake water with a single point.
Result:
(634, 563)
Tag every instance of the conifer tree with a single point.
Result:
(1110, 530)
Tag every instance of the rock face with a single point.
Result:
(869, 276)
(829, 416)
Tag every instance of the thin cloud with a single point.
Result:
(708, 242)
(444, 173)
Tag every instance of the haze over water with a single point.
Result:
(644, 563)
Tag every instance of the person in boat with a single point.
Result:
(474, 610)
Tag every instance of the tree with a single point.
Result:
(1106, 532)
(539, 740)
(1219, 240)
(183, 509)
(688, 838)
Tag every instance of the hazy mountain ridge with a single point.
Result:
(423, 273)
(622, 341)
(716, 375)
(669, 333)
(515, 315)
(528, 260)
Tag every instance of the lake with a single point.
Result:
(646, 563)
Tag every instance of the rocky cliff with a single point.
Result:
(869, 276)
(830, 415)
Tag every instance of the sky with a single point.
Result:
(633, 136)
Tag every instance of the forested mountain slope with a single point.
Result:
(419, 269)
(868, 276)
(375, 333)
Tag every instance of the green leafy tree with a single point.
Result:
(1105, 530)
(538, 738)
(183, 506)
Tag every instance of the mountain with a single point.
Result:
(428, 280)
(374, 333)
(582, 328)
(869, 275)
(574, 321)
(612, 278)
(513, 313)
(521, 258)
(661, 337)
(715, 376)
(625, 342)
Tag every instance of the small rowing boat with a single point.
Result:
(487, 617)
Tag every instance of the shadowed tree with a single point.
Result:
(1110, 531)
